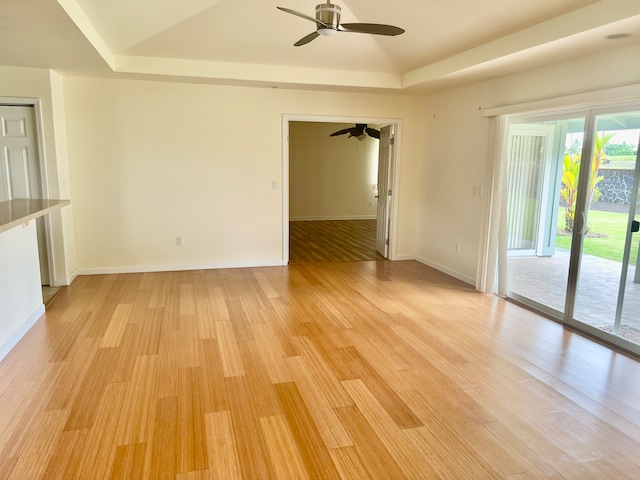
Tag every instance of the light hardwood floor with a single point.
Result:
(352, 370)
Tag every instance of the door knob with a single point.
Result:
(635, 226)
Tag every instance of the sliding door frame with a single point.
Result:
(495, 219)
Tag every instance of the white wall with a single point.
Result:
(151, 161)
(457, 154)
(46, 87)
(331, 177)
(20, 292)
(61, 221)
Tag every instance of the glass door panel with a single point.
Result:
(605, 290)
(629, 327)
(538, 244)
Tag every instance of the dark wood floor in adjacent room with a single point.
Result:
(350, 370)
(332, 241)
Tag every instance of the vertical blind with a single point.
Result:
(525, 168)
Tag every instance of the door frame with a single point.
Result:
(545, 178)
(582, 208)
(44, 183)
(394, 171)
(386, 147)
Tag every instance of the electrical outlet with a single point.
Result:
(178, 241)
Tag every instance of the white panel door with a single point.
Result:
(20, 175)
(385, 162)
(19, 154)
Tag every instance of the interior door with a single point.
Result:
(20, 175)
(385, 160)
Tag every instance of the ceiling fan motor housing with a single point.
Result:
(329, 15)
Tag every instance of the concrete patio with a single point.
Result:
(544, 280)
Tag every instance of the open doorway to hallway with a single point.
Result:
(333, 191)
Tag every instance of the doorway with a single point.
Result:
(330, 189)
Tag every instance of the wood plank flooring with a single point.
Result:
(385, 370)
(332, 241)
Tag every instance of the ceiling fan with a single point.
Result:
(328, 23)
(358, 131)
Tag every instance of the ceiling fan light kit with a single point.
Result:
(327, 32)
(327, 22)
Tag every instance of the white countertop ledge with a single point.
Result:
(21, 211)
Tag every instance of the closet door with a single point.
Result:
(20, 175)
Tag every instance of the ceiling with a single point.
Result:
(250, 42)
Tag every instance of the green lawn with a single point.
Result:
(612, 227)
(627, 162)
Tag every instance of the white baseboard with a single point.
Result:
(403, 258)
(21, 332)
(349, 217)
(176, 268)
(448, 271)
(72, 277)
(65, 281)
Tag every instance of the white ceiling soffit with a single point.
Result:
(123, 23)
(38, 33)
(572, 35)
(250, 41)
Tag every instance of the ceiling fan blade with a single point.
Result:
(307, 39)
(373, 28)
(341, 132)
(372, 132)
(302, 15)
(358, 131)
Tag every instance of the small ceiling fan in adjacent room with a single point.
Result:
(327, 22)
(358, 131)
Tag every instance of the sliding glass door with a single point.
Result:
(535, 205)
(608, 290)
(571, 220)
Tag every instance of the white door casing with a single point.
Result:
(385, 160)
(20, 175)
(393, 179)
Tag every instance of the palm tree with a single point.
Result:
(570, 173)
